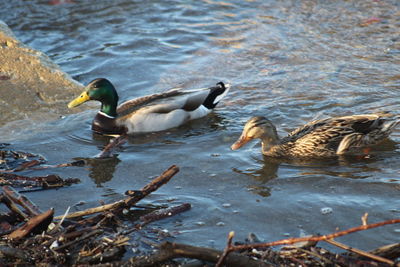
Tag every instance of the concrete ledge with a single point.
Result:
(31, 85)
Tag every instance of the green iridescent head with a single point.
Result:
(101, 90)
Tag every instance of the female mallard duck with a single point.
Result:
(320, 138)
(150, 113)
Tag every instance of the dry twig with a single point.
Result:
(79, 239)
(364, 219)
(28, 205)
(115, 142)
(289, 241)
(131, 200)
(359, 252)
(163, 213)
(226, 250)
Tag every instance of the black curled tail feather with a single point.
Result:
(215, 95)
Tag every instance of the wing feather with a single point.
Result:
(340, 134)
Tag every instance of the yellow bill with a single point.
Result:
(82, 98)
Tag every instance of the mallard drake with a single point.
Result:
(320, 138)
(151, 113)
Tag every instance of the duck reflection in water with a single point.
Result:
(265, 171)
(358, 166)
(101, 169)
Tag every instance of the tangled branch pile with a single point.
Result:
(105, 235)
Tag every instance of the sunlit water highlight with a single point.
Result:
(292, 61)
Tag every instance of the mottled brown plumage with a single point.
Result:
(320, 138)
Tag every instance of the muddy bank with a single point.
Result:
(31, 85)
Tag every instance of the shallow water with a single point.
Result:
(292, 61)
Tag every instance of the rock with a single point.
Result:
(31, 85)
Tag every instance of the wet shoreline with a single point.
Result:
(31, 84)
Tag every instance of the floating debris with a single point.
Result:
(326, 210)
(102, 235)
(12, 162)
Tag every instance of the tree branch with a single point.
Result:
(289, 241)
(359, 252)
(131, 200)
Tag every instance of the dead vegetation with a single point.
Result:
(114, 234)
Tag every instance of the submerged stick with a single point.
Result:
(158, 215)
(76, 163)
(27, 165)
(163, 213)
(115, 142)
(131, 200)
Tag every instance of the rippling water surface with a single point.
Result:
(292, 61)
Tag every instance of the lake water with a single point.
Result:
(292, 61)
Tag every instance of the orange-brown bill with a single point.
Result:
(240, 142)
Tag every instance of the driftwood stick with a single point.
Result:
(391, 251)
(115, 142)
(79, 239)
(27, 165)
(77, 163)
(13, 207)
(28, 205)
(92, 220)
(66, 235)
(163, 213)
(38, 182)
(226, 250)
(158, 215)
(316, 255)
(170, 251)
(359, 252)
(289, 241)
(131, 200)
(92, 210)
(152, 186)
(35, 224)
